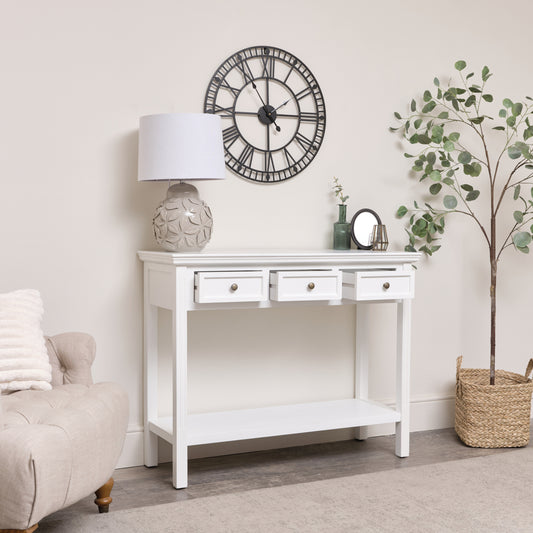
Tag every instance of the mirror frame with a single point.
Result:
(354, 218)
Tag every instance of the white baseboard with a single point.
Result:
(427, 413)
(132, 452)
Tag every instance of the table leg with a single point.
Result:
(150, 378)
(179, 383)
(361, 361)
(402, 376)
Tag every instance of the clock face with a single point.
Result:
(272, 110)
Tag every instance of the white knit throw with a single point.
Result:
(24, 360)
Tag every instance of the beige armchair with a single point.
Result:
(58, 446)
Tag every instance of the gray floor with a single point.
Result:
(140, 486)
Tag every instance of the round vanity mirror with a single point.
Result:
(363, 223)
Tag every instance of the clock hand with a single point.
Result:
(268, 113)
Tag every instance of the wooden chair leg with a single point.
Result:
(103, 496)
(29, 530)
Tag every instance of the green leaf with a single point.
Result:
(499, 128)
(436, 134)
(516, 192)
(487, 97)
(514, 152)
(460, 65)
(410, 248)
(468, 170)
(435, 175)
(427, 96)
(477, 120)
(435, 188)
(430, 106)
(485, 73)
(467, 187)
(471, 100)
(448, 181)
(454, 136)
(417, 123)
(455, 104)
(464, 157)
(518, 216)
(436, 82)
(502, 113)
(511, 121)
(476, 169)
(507, 103)
(431, 158)
(474, 89)
(413, 105)
(521, 239)
(402, 211)
(468, 76)
(443, 115)
(422, 138)
(517, 109)
(472, 195)
(524, 249)
(450, 202)
(449, 146)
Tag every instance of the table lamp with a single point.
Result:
(181, 146)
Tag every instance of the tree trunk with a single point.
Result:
(493, 277)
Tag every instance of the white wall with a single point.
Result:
(75, 77)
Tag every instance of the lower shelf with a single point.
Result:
(243, 424)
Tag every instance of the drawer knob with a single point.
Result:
(234, 287)
(310, 285)
(386, 285)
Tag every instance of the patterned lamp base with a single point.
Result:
(182, 222)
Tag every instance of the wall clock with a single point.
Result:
(272, 110)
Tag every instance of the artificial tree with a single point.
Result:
(455, 138)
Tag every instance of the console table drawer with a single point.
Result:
(244, 286)
(302, 285)
(363, 286)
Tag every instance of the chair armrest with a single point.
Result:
(71, 356)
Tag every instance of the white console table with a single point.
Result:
(186, 282)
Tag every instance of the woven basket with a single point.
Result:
(492, 416)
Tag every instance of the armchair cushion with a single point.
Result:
(71, 356)
(24, 360)
(56, 447)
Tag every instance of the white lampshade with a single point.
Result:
(180, 146)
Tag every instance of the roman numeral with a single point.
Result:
(268, 66)
(303, 93)
(293, 64)
(225, 85)
(290, 160)
(246, 156)
(269, 162)
(303, 141)
(230, 135)
(308, 117)
(245, 69)
(224, 112)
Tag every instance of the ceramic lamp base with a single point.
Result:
(182, 222)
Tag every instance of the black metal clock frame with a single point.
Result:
(267, 164)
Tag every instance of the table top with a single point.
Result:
(278, 256)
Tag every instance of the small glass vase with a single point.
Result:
(341, 231)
